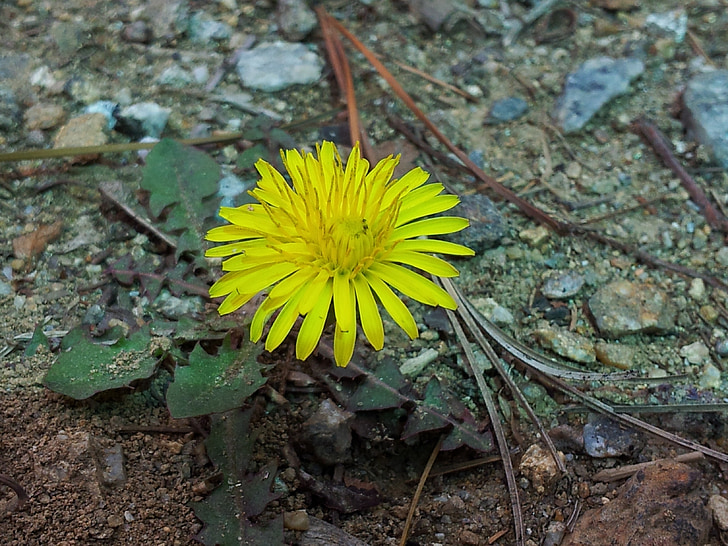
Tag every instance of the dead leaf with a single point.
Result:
(31, 244)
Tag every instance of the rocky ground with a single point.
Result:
(557, 103)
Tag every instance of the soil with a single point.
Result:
(56, 448)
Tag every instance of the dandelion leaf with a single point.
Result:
(380, 389)
(85, 367)
(215, 383)
(231, 512)
(440, 410)
(182, 182)
(39, 339)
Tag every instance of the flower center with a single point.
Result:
(347, 243)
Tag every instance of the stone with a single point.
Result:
(203, 29)
(604, 437)
(507, 109)
(706, 112)
(659, 505)
(138, 32)
(295, 19)
(615, 355)
(539, 467)
(415, 365)
(174, 307)
(567, 344)
(273, 66)
(109, 463)
(718, 506)
(84, 130)
(326, 435)
(695, 353)
(672, 24)
(487, 226)
(297, 520)
(710, 377)
(534, 237)
(43, 116)
(152, 117)
(591, 86)
(622, 308)
(493, 311)
(562, 284)
(175, 76)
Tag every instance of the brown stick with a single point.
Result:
(657, 140)
(614, 474)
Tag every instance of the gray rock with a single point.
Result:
(153, 118)
(706, 112)
(622, 308)
(175, 76)
(721, 347)
(295, 19)
(167, 17)
(276, 65)
(203, 29)
(487, 226)
(592, 85)
(562, 284)
(506, 109)
(671, 24)
(606, 438)
(326, 434)
(719, 508)
(109, 463)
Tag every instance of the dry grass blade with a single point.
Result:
(537, 365)
(418, 491)
(497, 364)
(526, 207)
(342, 73)
(497, 429)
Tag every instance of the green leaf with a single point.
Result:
(242, 495)
(181, 182)
(84, 368)
(39, 338)
(380, 390)
(215, 383)
(440, 410)
(249, 157)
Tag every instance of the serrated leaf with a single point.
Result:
(380, 390)
(84, 368)
(440, 410)
(215, 383)
(242, 495)
(181, 181)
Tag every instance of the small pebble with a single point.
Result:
(566, 344)
(138, 32)
(539, 467)
(606, 438)
(615, 355)
(535, 237)
(507, 109)
(708, 313)
(695, 353)
(276, 65)
(718, 506)
(415, 365)
(562, 284)
(296, 19)
(43, 116)
(710, 377)
(296, 521)
(573, 170)
(721, 347)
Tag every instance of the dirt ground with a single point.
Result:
(69, 455)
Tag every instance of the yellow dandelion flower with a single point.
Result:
(341, 235)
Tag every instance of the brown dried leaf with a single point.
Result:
(31, 244)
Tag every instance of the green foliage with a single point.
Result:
(437, 410)
(215, 383)
(86, 367)
(243, 495)
(181, 182)
(39, 338)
